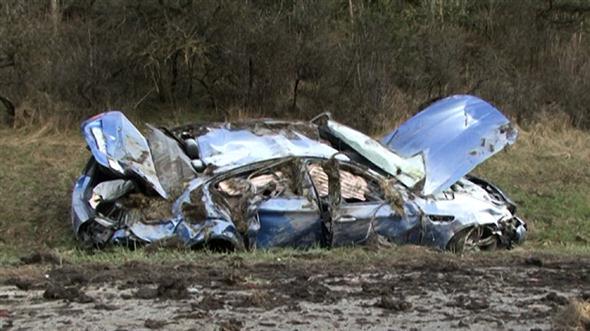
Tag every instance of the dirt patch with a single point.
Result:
(168, 288)
(154, 324)
(231, 325)
(171, 288)
(69, 275)
(69, 293)
(41, 258)
(389, 303)
(534, 261)
(107, 307)
(428, 291)
(555, 298)
(469, 302)
(259, 299)
(22, 283)
(303, 288)
(211, 302)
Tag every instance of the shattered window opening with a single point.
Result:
(241, 193)
(354, 188)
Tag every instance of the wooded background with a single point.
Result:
(371, 63)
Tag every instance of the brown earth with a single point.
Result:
(227, 292)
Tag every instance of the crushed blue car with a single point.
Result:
(259, 184)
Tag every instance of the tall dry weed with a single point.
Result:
(574, 317)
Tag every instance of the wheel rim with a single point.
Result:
(472, 241)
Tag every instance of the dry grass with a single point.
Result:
(546, 173)
(574, 317)
(37, 173)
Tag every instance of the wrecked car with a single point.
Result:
(269, 183)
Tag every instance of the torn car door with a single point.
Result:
(454, 135)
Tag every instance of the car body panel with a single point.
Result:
(408, 170)
(229, 148)
(355, 223)
(149, 233)
(172, 166)
(288, 222)
(116, 144)
(81, 211)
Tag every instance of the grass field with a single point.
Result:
(546, 172)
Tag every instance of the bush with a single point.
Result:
(371, 63)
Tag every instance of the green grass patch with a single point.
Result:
(36, 178)
(547, 177)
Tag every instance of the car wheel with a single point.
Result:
(474, 239)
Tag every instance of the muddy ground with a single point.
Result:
(431, 291)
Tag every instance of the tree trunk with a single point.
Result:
(54, 8)
(7, 112)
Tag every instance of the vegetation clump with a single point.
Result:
(370, 63)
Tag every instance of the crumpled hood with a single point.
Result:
(455, 135)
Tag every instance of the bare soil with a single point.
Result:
(224, 292)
